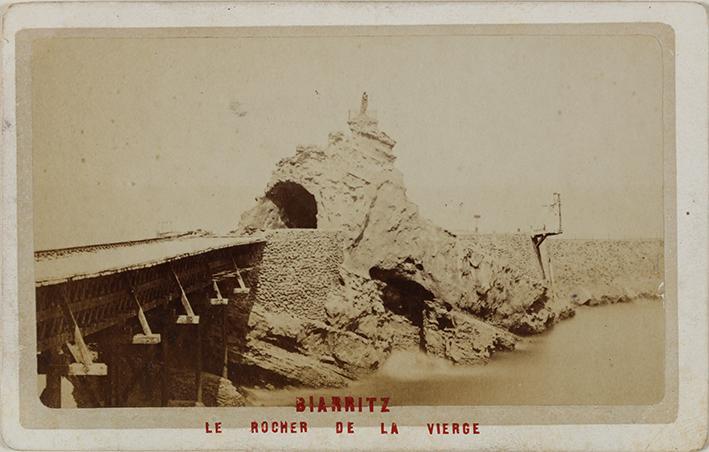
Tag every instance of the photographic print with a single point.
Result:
(349, 230)
(463, 195)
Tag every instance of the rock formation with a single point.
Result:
(405, 282)
(216, 391)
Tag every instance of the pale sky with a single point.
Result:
(132, 136)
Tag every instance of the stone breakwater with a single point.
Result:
(594, 272)
(585, 271)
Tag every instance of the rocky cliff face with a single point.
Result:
(405, 281)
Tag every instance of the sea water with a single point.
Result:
(605, 355)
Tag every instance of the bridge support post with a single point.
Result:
(112, 378)
(147, 337)
(168, 321)
(198, 370)
(219, 310)
(52, 394)
(190, 318)
(225, 344)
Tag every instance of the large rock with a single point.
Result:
(352, 185)
(398, 270)
(216, 390)
(311, 353)
(462, 338)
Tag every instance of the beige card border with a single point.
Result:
(659, 24)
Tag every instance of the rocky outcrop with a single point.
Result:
(216, 391)
(462, 338)
(405, 282)
(285, 348)
(356, 338)
(352, 185)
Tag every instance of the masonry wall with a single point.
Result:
(591, 271)
(298, 270)
(582, 269)
(514, 250)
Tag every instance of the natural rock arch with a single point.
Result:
(297, 206)
(404, 297)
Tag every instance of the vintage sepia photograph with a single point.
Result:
(442, 216)
(362, 225)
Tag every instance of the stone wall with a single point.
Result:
(299, 270)
(606, 271)
(514, 250)
(585, 271)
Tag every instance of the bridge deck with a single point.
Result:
(98, 285)
(58, 266)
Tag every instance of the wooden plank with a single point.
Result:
(187, 320)
(92, 369)
(146, 339)
(183, 297)
(219, 300)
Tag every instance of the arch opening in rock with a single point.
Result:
(404, 297)
(296, 205)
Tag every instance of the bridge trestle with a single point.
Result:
(129, 321)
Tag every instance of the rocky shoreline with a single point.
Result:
(396, 281)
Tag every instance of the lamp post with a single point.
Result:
(477, 221)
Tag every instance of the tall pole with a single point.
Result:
(557, 201)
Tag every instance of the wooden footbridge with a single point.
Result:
(113, 316)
